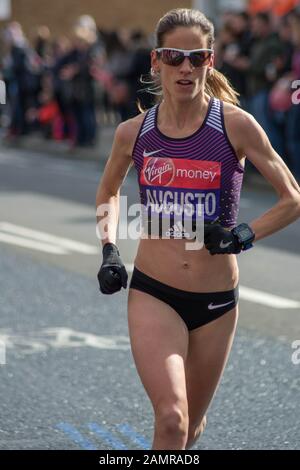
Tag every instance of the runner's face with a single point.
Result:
(187, 38)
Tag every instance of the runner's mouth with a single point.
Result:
(184, 82)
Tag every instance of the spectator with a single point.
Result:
(77, 83)
(240, 26)
(227, 53)
(262, 71)
(21, 71)
(119, 65)
(139, 67)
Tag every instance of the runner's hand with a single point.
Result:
(218, 240)
(112, 274)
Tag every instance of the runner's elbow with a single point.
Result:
(106, 195)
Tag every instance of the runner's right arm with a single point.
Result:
(108, 192)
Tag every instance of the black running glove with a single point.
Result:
(217, 240)
(112, 274)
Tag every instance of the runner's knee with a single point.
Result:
(172, 419)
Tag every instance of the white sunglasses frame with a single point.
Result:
(186, 52)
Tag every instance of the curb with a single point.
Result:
(36, 143)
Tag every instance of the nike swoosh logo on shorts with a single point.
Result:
(148, 154)
(212, 306)
(225, 245)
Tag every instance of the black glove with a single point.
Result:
(112, 274)
(217, 240)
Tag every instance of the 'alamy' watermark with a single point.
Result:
(296, 93)
(296, 354)
(2, 353)
(166, 219)
(2, 92)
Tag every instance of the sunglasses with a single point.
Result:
(197, 57)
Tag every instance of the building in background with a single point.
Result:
(59, 15)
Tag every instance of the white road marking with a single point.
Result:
(31, 237)
(256, 296)
(269, 300)
(32, 244)
(60, 338)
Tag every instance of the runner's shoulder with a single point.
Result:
(241, 125)
(127, 131)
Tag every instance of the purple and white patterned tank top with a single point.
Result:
(202, 168)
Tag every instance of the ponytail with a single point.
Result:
(218, 86)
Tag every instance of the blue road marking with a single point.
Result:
(107, 436)
(76, 436)
(136, 438)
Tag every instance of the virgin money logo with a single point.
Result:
(159, 171)
(181, 173)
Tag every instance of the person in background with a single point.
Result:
(237, 56)
(22, 69)
(262, 73)
(139, 67)
(75, 75)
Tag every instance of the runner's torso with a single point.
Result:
(202, 168)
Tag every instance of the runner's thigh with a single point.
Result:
(159, 343)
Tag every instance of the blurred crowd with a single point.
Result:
(68, 87)
(260, 55)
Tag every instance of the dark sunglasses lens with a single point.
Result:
(200, 58)
(170, 57)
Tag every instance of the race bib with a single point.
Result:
(180, 190)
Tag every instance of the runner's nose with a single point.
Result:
(186, 65)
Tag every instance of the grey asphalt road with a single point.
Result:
(68, 380)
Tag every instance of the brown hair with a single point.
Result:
(216, 84)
